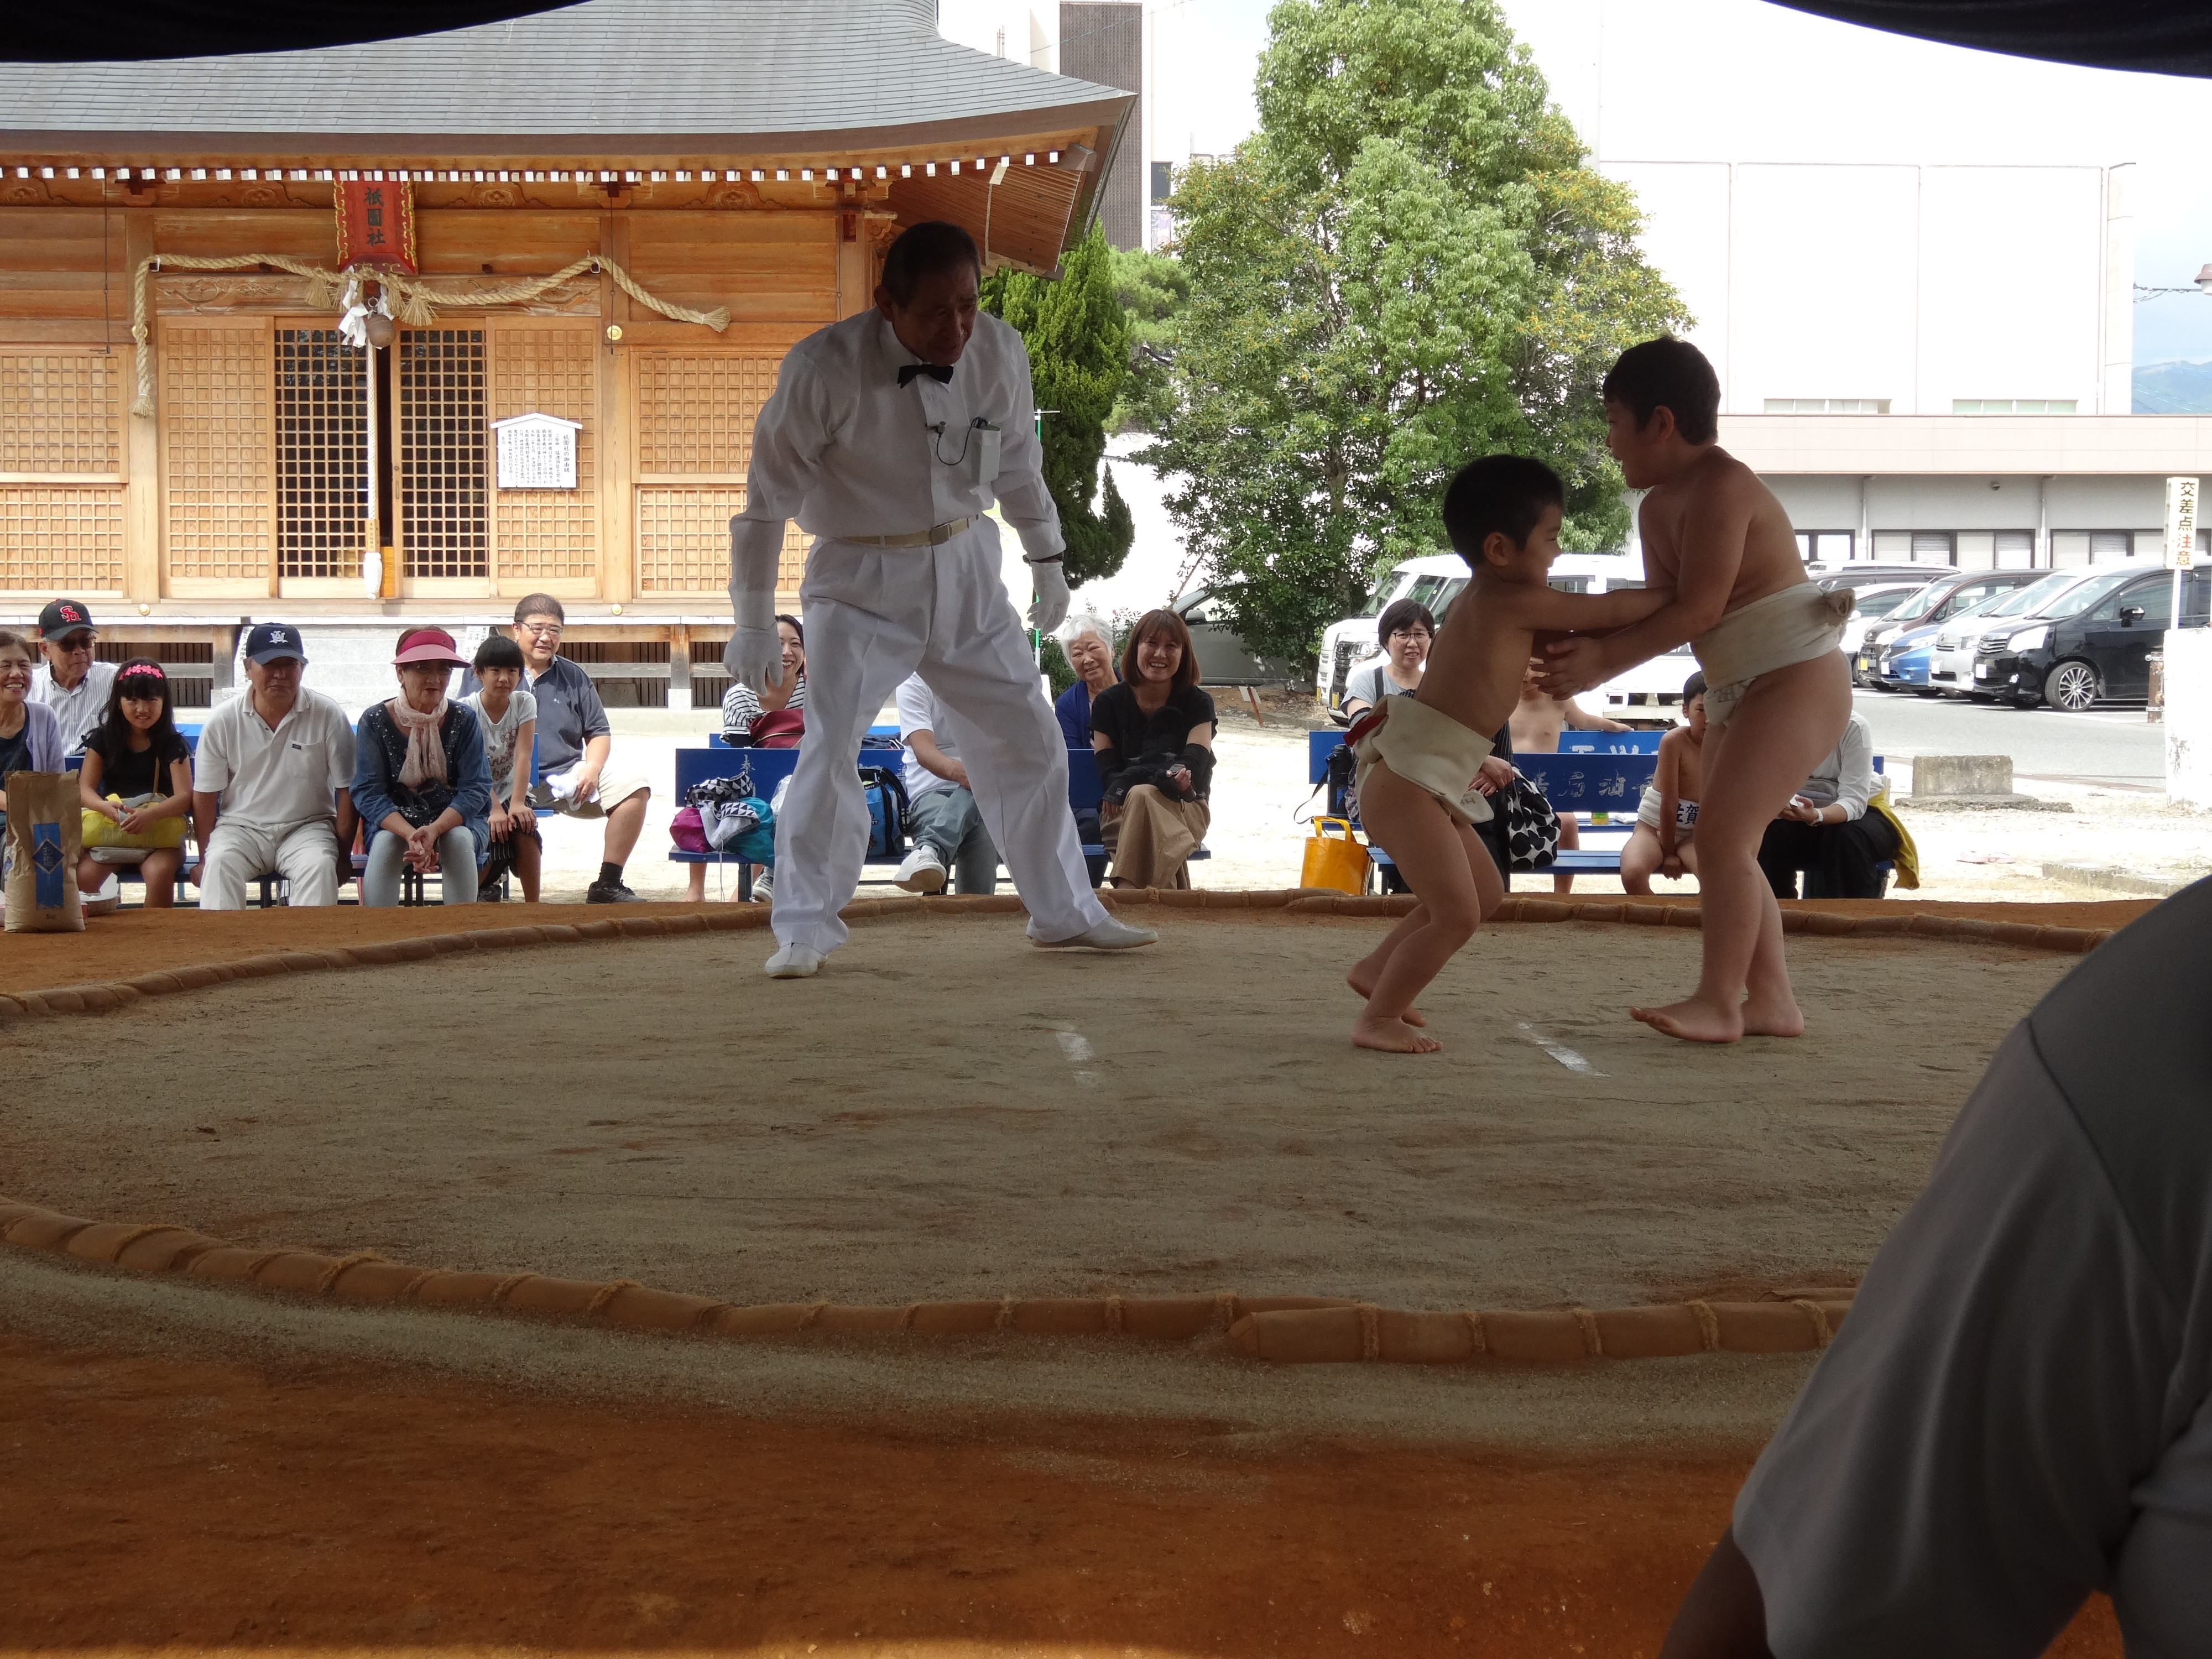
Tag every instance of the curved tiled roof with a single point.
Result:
(716, 69)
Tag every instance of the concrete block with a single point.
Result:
(1962, 774)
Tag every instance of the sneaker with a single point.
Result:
(609, 892)
(922, 873)
(763, 888)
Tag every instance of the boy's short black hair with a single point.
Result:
(1694, 687)
(1671, 374)
(498, 651)
(925, 250)
(1504, 493)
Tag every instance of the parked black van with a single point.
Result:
(2099, 652)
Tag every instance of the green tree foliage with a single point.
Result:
(1078, 347)
(1409, 266)
(1153, 288)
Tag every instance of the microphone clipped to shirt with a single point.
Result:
(940, 373)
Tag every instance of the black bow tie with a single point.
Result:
(940, 373)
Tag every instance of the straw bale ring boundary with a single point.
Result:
(1280, 1329)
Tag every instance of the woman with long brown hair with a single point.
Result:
(1153, 735)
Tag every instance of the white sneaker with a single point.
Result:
(1111, 934)
(794, 961)
(763, 887)
(922, 873)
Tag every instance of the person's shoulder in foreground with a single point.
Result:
(2015, 1412)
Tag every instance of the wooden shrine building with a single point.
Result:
(233, 456)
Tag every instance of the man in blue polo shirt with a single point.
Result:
(573, 741)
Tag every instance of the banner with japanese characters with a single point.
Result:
(376, 224)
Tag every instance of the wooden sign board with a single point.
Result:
(537, 452)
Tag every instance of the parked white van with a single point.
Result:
(1436, 580)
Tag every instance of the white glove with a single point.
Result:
(1050, 609)
(754, 655)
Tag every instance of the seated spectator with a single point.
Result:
(506, 716)
(1153, 734)
(948, 828)
(278, 765)
(70, 682)
(138, 773)
(1826, 831)
(2018, 1411)
(1088, 643)
(1404, 630)
(575, 740)
(30, 737)
(743, 706)
(1667, 818)
(1537, 720)
(419, 782)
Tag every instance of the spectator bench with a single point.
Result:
(1593, 772)
(771, 766)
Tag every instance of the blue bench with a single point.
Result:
(1603, 772)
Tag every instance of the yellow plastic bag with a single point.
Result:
(100, 830)
(1338, 861)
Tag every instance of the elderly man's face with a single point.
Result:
(68, 657)
(935, 323)
(539, 636)
(276, 682)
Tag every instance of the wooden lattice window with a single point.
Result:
(61, 411)
(548, 534)
(695, 414)
(683, 539)
(60, 538)
(322, 454)
(444, 494)
(219, 457)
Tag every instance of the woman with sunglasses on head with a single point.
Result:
(137, 773)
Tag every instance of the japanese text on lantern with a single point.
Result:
(537, 452)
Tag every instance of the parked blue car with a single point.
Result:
(1903, 665)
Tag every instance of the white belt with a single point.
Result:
(936, 534)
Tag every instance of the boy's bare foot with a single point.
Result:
(1782, 1017)
(1412, 1016)
(1391, 1035)
(1693, 1021)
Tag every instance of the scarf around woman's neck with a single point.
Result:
(426, 755)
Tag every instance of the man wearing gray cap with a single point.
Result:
(278, 763)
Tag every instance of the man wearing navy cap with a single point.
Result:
(70, 682)
(278, 763)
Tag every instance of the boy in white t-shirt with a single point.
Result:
(508, 717)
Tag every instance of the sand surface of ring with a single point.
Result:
(946, 1112)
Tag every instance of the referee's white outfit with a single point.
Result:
(892, 481)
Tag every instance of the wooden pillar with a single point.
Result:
(617, 442)
(680, 666)
(142, 564)
(855, 287)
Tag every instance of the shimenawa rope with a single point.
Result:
(411, 296)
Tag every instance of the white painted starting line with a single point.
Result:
(1076, 1048)
(1558, 1051)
